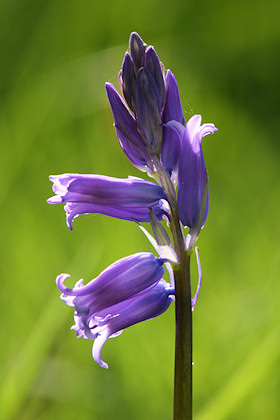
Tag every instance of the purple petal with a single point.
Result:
(172, 109)
(170, 148)
(133, 214)
(101, 189)
(97, 347)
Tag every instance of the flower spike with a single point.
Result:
(151, 129)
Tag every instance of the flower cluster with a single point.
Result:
(152, 131)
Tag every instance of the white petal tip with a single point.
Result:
(104, 365)
(56, 199)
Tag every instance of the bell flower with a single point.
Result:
(129, 291)
(193, 197)
(121, 280)
(111, 321)
(128, 199)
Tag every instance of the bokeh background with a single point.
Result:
(54, 117)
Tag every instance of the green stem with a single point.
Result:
(182, 409)
(183, 342)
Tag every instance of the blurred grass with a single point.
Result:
(54, 118)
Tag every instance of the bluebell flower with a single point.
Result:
(193, 197)
(127, 292)
(128, 199)
(118, 282)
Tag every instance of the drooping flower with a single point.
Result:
(193, 197)
(127, 292)
(110, 322)
(151, 129)
(128, 199)
(119, 281)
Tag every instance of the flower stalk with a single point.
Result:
(182, 402)
(182, 408)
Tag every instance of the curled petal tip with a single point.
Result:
(97, 347)
(56, 199)
(207, 129)
(69, 223)
(104, 365)
(61, 278)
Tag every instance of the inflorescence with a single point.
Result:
(152, 131)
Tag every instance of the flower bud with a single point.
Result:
(192, 188)
(137, 50)
(148, 109)
(127, 131)
(152, 64)
(127, 79)
(172, 109)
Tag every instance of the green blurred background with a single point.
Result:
(54, 117)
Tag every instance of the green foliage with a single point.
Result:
(54, 118)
